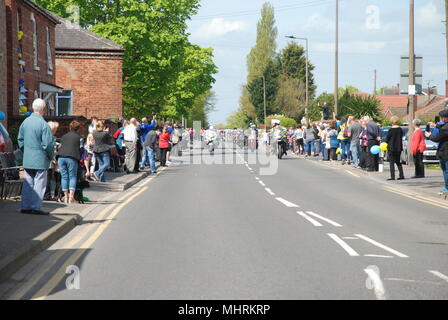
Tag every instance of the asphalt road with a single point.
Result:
(224, 231)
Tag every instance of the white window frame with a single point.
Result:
(49, 57)
(65, 97)
(35, 48)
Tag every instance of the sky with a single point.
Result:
(373, 34)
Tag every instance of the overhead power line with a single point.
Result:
(256, 12)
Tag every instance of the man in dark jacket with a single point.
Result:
(442, 151)
(374, 138)
(150, 145)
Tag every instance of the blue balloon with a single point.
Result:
(375, 150)
(27, 113)
(2, 115)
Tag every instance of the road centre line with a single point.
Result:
(262, 183)
(382, 246)
(287, 203)
(324, 219)
(314, 222)
(343, 244)
(439, 274)
(269, 191)
(60, 274)
(377, 256)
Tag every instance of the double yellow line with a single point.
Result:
(417, 197)
(71, 260)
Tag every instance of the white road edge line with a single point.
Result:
(262, 183)
(344, 245)
(439, 274)
(314, 222)
(382, 246)
(287, 203)
(378, 286)
(324, 219)
(269, 191)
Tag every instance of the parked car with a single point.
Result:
(429, 156)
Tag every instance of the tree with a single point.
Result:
(202, 107)
(266, 44)
(358, 106)
(159, 59)
(291, 96)
(293, 60)
(259, 58)
(256, 90)
(238, 120)
(246, 106)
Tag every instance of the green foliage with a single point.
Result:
(284, 121)
(293, 60)
(358, 106)
(264, 50)
(256, 90)
(291, 96)
(202, 106)
(163, 72)
(238, 120)
(315, 110)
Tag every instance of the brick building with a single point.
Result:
(3, 78)
(30, 37)
(89, 68)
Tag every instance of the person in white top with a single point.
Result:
(92, 126)
(299, 140)
(130, 138)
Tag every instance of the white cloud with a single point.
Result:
(429, 16)
(318, 22)
(219, 27)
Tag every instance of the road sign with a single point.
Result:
(404, 75)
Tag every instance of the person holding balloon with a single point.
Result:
(394, 142)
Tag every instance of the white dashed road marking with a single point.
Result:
(262, 183)
(344, 245)
(269, 191)
(324, 219)
(382, 246)
(439, 274)
(314, 222)
(377, 256)
(287, 203)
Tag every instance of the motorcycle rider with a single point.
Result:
(279, 133)
(210, 136)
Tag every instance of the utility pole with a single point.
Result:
(412, 95)
(446, 39)
(264, 101)
(374, 81)
(336, 69)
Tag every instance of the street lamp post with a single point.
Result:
(336, 67)
(307, 67)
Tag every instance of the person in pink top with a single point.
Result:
(164, 145)
(418, 146)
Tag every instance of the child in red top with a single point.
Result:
(418, 146)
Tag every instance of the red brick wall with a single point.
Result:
(96, 81)
(3, 58)
(32, 77)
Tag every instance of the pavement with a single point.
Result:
(24, 236)
(215, 231)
